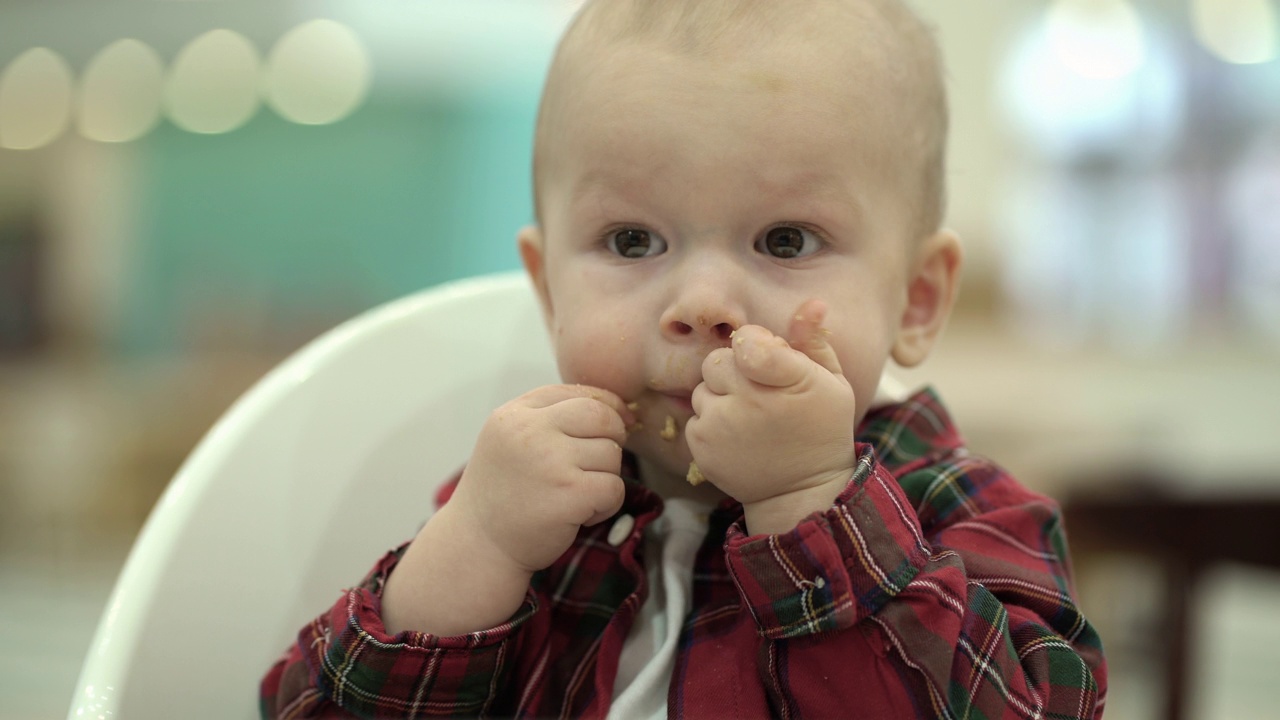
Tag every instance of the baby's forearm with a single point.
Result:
(452, 581)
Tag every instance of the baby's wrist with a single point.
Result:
(451, 581)
(483, 547)
(782, 513)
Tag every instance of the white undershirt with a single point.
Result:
(649, 653)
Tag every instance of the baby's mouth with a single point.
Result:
(681, 401)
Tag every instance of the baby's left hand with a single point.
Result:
(774, 422)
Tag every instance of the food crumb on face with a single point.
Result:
(695, 476)
(633, 406)
(668, 431)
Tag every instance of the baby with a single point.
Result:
(739, 207)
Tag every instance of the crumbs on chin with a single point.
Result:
(695, 476)
(669, 430)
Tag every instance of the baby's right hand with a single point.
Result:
(545, 464)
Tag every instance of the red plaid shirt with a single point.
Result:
(936, 586)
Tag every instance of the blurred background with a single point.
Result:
(190, 191)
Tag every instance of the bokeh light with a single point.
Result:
(213, 83)
(120, 92)
(1084, 80)
(317, 73)
(35, 99)
(1099, 39)
(1242, 32)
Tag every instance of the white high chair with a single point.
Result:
(327, 462)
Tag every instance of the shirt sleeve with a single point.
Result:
(959, 573)
(344, 664)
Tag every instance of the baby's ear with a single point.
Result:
(932, 282)
(532, 251)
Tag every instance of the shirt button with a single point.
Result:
(621, 529)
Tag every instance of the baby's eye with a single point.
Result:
(788, 242)
(634, 243)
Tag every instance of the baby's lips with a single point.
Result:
(630, 417)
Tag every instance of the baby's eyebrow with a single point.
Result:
(827, 200)
(608, 199)
(823, 186)
(609, 180)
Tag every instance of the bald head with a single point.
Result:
(882, 48)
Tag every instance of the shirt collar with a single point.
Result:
(907, 432)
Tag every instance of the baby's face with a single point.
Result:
(688, 197)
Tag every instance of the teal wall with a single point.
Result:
(304, 226)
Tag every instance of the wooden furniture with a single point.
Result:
(1186, 533)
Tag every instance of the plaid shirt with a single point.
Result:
(936, 586)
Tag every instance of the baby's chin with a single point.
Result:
(669, 457)
(664, 467)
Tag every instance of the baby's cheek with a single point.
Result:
(601, 359)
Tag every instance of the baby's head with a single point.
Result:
(706, 164)
(875, 53)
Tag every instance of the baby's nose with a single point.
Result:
(707, 303)
(712, 328)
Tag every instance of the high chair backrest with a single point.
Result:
(327, 462)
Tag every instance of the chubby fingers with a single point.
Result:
(547, 396)
(605, 492)
(594, 422)
(807, 335)
(764, 358)
(588, 419)
(719, 375)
